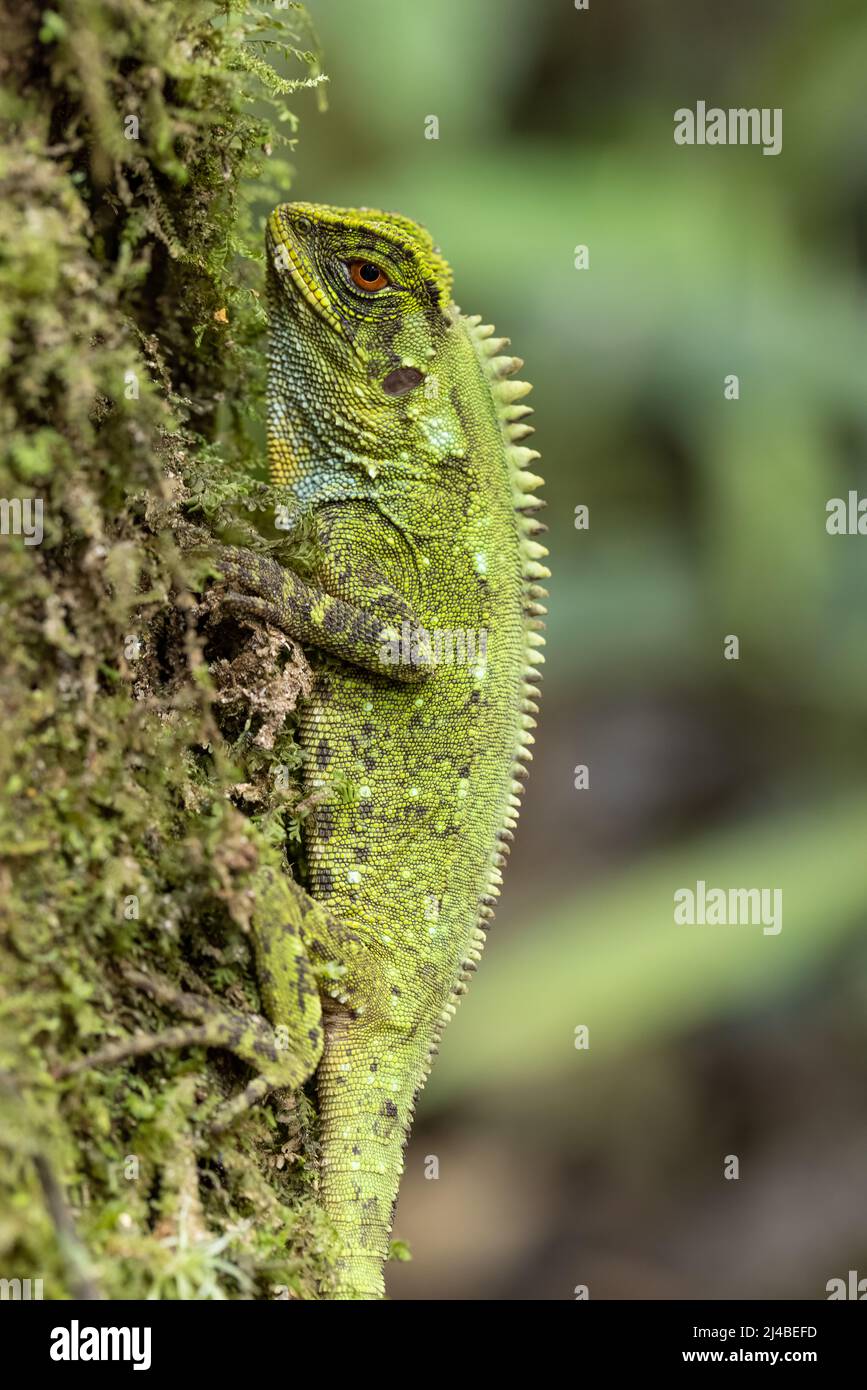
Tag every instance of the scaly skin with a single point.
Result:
(424, 509)
(394, 426)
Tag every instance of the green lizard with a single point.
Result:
(395, 426)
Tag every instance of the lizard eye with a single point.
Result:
(366, 275)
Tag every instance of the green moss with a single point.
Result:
(142, 781)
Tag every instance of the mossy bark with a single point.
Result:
(147, 766)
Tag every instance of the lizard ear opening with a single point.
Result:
(401, 380)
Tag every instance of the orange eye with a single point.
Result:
(367, 276)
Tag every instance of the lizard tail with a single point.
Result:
(366, 1102)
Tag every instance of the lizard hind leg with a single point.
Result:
(283, 1056)
(366, 1079)
(284, 1052)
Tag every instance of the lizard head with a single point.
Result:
(361, 314)
(359, 269)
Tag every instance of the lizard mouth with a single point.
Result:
(287, 233)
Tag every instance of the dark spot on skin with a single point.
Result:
(333, 620)
(395, 989)
(374, 1066)
(362, 853)
(464, 772)
(324, 823)
(323, 754)
(390, 1109)
(326, 882)
(401, 380)
(367, 729)
(475, 697)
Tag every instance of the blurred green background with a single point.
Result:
(605, 1166)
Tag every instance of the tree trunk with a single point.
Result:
(145, 762)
